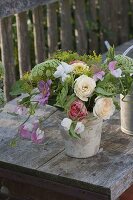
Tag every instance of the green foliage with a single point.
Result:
(1, 71)
(44, 71)
(103, 92)
(110, 86)
(72, 132)
(2, 101)
(125, 62)
(66, 56)
(21, 86)
(62, 96)
(111, 54)
(69, 56)
(25, 101)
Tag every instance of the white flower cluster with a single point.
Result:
(63, 71)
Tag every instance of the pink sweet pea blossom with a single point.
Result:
(32, 131)
(115, 72)
(99, 76)
(112, 65)
(25, 130)
(37, 136)
(20, 110)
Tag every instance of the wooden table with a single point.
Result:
(33, 171)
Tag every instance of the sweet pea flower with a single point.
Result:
(79, 127)
(25, 130)
(20, 110)
(37, 136)
(66, 123)
(115, 72)
(62, 71)
(44, 88)
(32, 131)
(99, 76)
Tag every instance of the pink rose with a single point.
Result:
(77, 110)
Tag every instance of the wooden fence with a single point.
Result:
(31, 36)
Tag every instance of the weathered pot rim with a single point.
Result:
(128, 95)
(91, 122)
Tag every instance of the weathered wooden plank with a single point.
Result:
(52, 28)
(37, 187)
(26, 153)
(131, 13)
(80, 32)
(10, 7)
(23, 43)
(66, 25)
(113, 20)
(123, 21)
(7, 55)
(39, 37)
(109, 172)
(105, 15)
(93, 25)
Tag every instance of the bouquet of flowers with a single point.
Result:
(84, 87)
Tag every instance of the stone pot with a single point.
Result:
(126, 113)
(89, 143)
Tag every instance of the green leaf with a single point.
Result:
(32, 108)
(72, 133)
(103, 92)
(62, 97)
(13, 142)
(20, 87)
(25, 101)
(1, 71)
(48, 73)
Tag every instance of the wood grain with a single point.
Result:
(66, 25)
(10, 7)
(109, 172)
(80, 32)
(52, 28)
(23, 43)
(7, 55)
(39, 36)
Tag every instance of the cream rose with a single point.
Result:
(104, 108)
(84, 87)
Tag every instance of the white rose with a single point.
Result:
(104, 108)
(84, 87)
(66, 123)
(79, 127)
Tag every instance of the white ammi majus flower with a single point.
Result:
(84, 87)
(66, 123)
(104, 108)
(63, 70)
